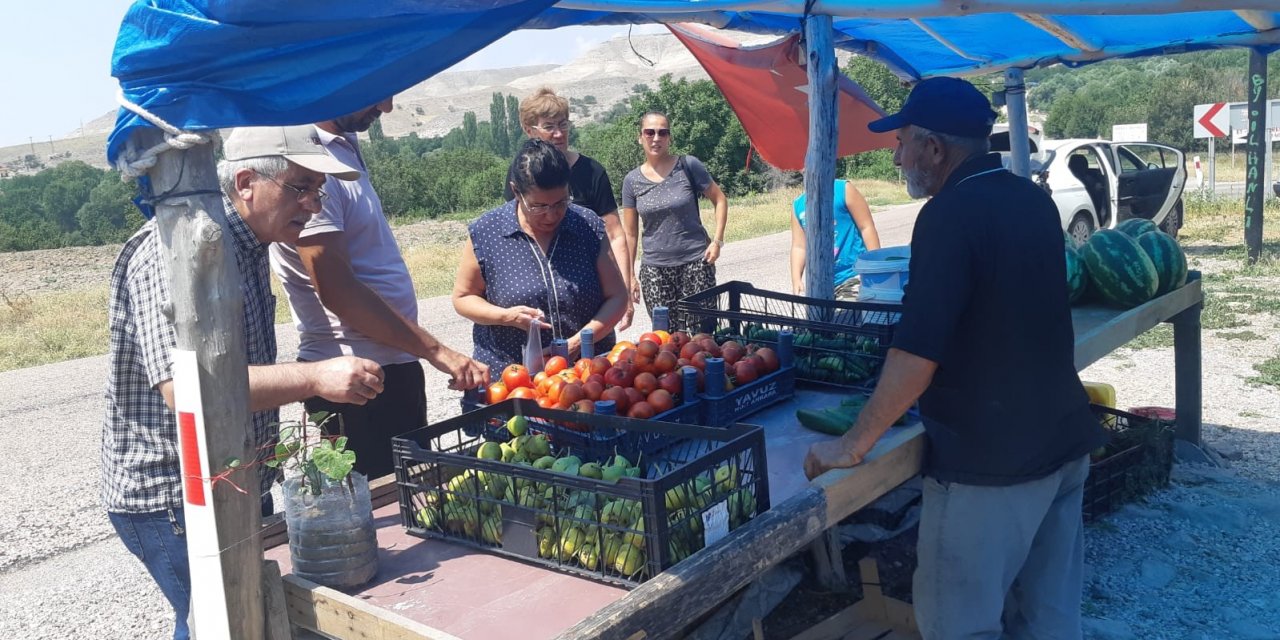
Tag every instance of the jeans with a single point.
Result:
(159, 540)
(1002, 562)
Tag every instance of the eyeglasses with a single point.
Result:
(543, 209)
(301, 194)
(661, 133)
(562, 127)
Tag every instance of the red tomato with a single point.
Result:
(769, 359)
(619, 397)
(570, 394)
(600, 364)
(497, 392)
(661, 400)
(523, 392)
(641, 410)
(633, 395)
(515, 376)
(663, 336)
(671, 382)
(650, 337)
(593, 389)
(554, 388)
(583, 406)
(645, 383)
(555, 365)
(745, 371)
(666, 361)
(546, 403)
(582, 368)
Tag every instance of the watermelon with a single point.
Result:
(1119, 270)
(1168, 258)
(1134, 227)
(1077, 276)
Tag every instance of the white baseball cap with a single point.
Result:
(298, 144)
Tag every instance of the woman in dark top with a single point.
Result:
(537, 256)
(545, 116)
(679, 257)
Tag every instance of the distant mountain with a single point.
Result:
(607, 72)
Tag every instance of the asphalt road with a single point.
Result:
(64, 573)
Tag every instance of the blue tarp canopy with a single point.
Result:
(209, 64)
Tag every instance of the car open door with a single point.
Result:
(1149, 181)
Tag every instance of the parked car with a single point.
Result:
(1098, 184)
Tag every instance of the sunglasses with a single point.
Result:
(661, 133)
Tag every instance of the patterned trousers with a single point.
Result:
(663, 286)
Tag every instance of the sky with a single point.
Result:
(56, 69)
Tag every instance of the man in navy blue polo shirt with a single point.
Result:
(986, 345)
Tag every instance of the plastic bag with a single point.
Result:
(533, 348)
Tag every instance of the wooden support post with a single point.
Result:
(1258, 141)
(820, 159)
(828, 561)
(276, 611)
(1015, 95)
(211, 389)
(1187, 374)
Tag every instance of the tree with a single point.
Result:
(498, 125)
(375, 131)
(110, 215)
(888, 91)
(514, 129)
(470, 130)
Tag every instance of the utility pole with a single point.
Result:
(1259, 142)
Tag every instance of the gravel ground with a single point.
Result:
(1196, 561)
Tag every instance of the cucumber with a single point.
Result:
(824, 421)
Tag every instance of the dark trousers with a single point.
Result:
(401, 407)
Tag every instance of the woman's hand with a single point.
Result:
(635, 293)
(628, 316)
(712, 253)
(520, 317)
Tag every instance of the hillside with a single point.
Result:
(433, 107)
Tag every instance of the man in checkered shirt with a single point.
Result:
(271, 181)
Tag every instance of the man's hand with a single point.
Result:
(712, 253)
(833, 454)
(464, 373)
(347, 379)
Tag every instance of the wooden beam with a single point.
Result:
(341, 616)
(277, 612)
(1015, 95)
(927, 8)
(665, 605)
(1100, 330)
(942, 40)
(1260, 20)
(820, 159)
(828, 561)
(1060, 31)
(211, 382)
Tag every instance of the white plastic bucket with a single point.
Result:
(884, 269)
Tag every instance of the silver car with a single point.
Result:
(1097, 183)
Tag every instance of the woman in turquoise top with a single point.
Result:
(855, 234)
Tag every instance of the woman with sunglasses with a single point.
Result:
(545, 116)
(537, 256)
(679, 256)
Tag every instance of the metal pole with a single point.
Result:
(1259, 141)
(211, 394)
(820, 159)
(1015, 93)
(1213, 165)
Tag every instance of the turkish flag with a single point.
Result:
(767, 86)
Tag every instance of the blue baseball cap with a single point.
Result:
(945, 105)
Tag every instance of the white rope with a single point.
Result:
(174, 138)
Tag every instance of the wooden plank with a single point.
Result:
(338, 615)
(828, 561)
(1100, 330)
(382, 491)
(1188, 375)
(669, 602)
(851, 621)
(900, 635)
(276, 611)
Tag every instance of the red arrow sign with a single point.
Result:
(1206, 120)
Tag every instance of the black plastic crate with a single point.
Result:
(699, 484)
(1135, 462)
(837, 342)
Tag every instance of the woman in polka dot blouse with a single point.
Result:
(679, 256)
(538, 256)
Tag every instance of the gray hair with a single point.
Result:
(268, 166)
(966, 146)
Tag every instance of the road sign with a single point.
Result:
(1129, 132)
(1239, 119)
(1210, 120)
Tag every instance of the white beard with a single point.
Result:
(918, 182)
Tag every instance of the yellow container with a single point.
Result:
(1101, 393)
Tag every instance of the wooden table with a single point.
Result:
(432, 589)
